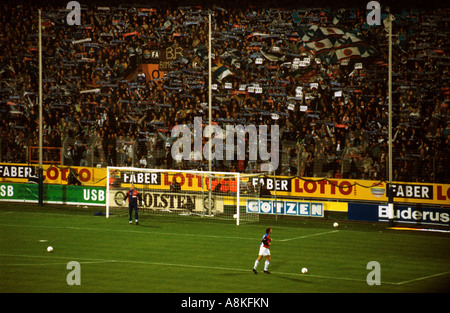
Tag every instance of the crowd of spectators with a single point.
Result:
(271, 66)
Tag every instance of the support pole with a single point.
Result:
(40, 169)
(389, 189)
(238, 191)
(209, 112)
(275, 194)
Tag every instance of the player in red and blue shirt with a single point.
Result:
(264, 251)
(133, 197)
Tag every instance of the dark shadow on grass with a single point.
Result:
(271, 275)
(294, 279)
(146, 225)
(240, 273)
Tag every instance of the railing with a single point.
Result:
(50, 155)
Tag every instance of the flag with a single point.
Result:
(386, 22)
(310, 33)
(331, 31)
(220, 72)
(272, 56)
(353, 39)
(338, 16)
(231, 57)
(346, 53)
(348, 40)
(320, 46)
(201, 51)
(333, 44)
(367, 51)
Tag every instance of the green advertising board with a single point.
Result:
(62, 194)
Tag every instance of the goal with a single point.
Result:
(220, 195)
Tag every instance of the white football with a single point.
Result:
(304, 270)
(335, 224)
(49, 249)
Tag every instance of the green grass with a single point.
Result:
(198, 255)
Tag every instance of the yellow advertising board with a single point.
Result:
(365, 190)
(308, 188)
(63, 175)
(291, 187)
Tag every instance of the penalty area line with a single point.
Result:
(310, 235)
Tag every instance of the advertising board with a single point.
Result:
(348, 190)
(414, 214)
(283, 207)
(57, 194)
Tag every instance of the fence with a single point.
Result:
(356, 156)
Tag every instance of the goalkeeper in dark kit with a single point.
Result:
(133, 197)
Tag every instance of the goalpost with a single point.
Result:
(182, 193)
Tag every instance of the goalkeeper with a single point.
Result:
(133, 196)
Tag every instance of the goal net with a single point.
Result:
(220, 195)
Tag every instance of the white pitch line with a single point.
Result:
(128, 231)
(307, 236)
(45, 264)
(89, 261)
(217, 268)
(161, 233)
(421, 278)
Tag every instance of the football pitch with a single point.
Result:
(167, 254)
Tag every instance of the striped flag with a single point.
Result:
(220, 72)
(348, 40)
(310, 33)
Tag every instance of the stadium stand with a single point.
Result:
(112, 90)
